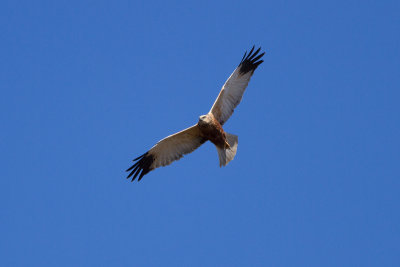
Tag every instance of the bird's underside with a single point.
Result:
(212, 130)
(208, 128)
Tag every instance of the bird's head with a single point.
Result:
(204, 119)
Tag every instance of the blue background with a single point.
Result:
(86, 86)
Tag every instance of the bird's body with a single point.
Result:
(212, 130)
(208, 128)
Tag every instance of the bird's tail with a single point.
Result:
(228, 153)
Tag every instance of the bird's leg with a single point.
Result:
(227, 144)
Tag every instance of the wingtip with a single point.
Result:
(251, 61)
(141, 167)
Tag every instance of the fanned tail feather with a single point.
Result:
(227, 154)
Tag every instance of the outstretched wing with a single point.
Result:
(166, 151)
(233, 89)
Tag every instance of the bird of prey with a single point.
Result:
(209, 126)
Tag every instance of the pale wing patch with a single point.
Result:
(230, 96)
(232, 92)
(175, 146)
(166, 151)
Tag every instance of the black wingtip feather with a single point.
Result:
(142, 166)
(251, 61)
(245, 53)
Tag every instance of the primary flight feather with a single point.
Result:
(209, 126)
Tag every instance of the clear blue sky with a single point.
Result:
(86, 86)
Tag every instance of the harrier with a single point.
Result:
(209, 126)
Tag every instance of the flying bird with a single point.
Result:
(208, 128)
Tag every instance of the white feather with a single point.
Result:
(230, 95)
(173, 147)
